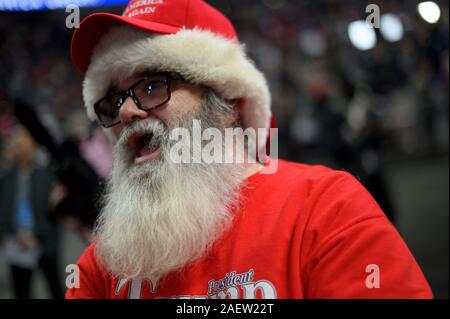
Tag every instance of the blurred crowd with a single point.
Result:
(346, 108)
(396, 92)
(328, 95)
(334, 104)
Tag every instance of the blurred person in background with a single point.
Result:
(88, 154)
(201, 230)
(29, 234)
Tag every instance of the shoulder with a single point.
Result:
(312, 173)
(90, 263)
(322, 196)
(316, 179)
(283, 168)
(88, 258)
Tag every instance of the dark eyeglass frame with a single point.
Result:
(168, 76)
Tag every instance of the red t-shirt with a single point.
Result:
(303, 232)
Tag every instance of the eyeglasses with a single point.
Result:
(148, 93)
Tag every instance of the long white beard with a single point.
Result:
(160, 216)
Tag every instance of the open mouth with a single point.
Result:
(144, 147)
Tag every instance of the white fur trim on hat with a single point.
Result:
(201, 57)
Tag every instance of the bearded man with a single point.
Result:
(215, 230)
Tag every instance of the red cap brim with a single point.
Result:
(93, 27)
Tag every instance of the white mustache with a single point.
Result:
(157, 128)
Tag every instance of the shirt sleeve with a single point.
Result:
(351, 250)
(91, 281)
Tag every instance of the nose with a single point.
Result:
(129, 112)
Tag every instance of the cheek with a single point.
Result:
(113, 133)
(117, 129)
(184, 102)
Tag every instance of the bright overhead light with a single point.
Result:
(429, 11)
(391, 27)
(362, 35)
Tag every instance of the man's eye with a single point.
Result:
(154, 85)
(149, 88)
(118, 102)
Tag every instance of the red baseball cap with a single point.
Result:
(159, 16)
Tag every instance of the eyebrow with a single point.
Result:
(113, 88)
